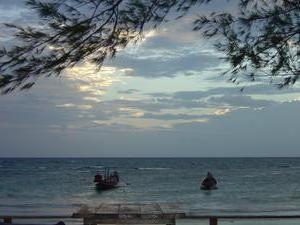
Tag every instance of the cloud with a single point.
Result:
(71, 105)
(93, 82)
(92, 99)
(268, 132)
(129, 91)
(66, 105)
(240, 101)
(154, 63)
(170, 110)
(251, 89)
(169, 116)
(12, 4)
(118, 107)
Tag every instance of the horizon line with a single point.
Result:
(140, 157)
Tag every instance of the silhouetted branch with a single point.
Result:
(261, 39)
(76, 30)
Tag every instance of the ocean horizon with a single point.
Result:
(152, 157)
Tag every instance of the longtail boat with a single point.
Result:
(107, 180)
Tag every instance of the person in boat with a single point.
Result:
(116, 175)
(98, 178)
(209, 182)
(108, 181)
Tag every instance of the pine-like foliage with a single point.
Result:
(261, 40)
(74, 30)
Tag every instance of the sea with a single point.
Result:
(246, 186)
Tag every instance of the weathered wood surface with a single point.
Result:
(96, 220)
(94, 216)
(130, 214)
(131, 209)
(175, 208)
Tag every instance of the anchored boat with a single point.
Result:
(107, 180)
(209, 182)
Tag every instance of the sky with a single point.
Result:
(163, 97)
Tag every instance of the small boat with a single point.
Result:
(209, 182)
(106, 181)
(207, 188)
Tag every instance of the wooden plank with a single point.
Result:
(96, 220)
(174, 208)
(130, 209)
(109, 209)
(7, 220)
(151, 209)
(188, 216)
(213, 221)
(130, 216)
(98, 209)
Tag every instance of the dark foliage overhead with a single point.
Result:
(261, 39)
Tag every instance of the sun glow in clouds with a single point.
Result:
(221, 112)
(89, 79)
(172, 100)
(71, 105)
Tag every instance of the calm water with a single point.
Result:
(49, 186)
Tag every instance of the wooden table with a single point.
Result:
(152, 213)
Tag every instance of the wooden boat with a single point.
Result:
(209, 182)
(107, 180)
(208, 187)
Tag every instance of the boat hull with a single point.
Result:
(213, 187)
(105, 186)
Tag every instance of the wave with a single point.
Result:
(41, 167)
(284, 166)
(91, 167)
(250, 176)
(276, 172)
(83, 171)
(153, 168)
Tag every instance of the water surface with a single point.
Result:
(246, 185)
